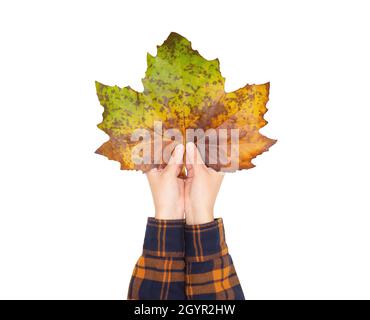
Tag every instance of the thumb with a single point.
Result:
(194, 160)
(175, 163)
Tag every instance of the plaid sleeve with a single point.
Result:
(159, 273)
(210, 273)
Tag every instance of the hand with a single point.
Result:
(167, 189)
(201, 188)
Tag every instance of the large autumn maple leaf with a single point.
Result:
(183, 90)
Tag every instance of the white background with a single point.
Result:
(72, 223)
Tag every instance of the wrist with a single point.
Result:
(167, 214)
(164, 238)
(199, 216)
(205, 241)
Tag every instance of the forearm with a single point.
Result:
(159, 273)
(210, 273)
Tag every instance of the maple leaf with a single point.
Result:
(183, 90)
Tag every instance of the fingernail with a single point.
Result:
(179, 148)
(190, 145)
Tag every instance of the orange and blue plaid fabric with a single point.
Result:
(184, 262)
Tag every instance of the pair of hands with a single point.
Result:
(193, 197)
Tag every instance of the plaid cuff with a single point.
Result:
(164, 238)
(205, 241)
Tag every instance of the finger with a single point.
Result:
(152, 173)
(194, 159)
(181, 185)
(217, 175)
(189, 171)
(175, 163)
(189, 160)
(220, 176)
(214, 172)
